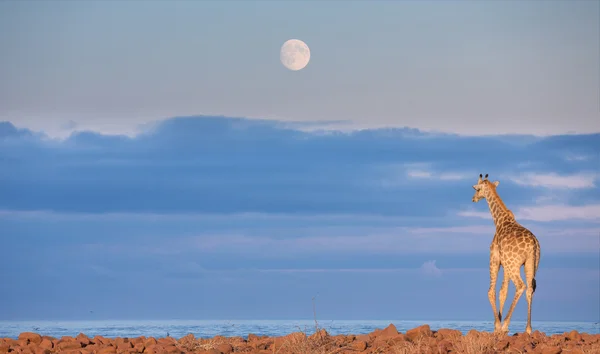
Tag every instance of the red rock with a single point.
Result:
(363, 337)
(253, 337)
(388, 332)
(473, 333)
(445, 346)
(42, 351)
(107, 350)
(46, 344)
(71, 351)
(225, 348)
(321, 334)
(30, 337)
(188, 338)
(168, 341)
(337, 340)
(22, 350)
(551, 350)
(211, 351)
(150, 341)
(67, 343)
(588, 338)
(502, 344)
(139, 347)
(98, 340)
(359, 345)
(447, 333)
(172, 349)
(419, 332)
(83, 339)
(22, 342)
(123, 344)
(574, 336)
(152, 349)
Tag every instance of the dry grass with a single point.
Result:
(410, 347)
(484, 342)
(592, 349)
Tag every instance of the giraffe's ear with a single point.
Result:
(496, 183)
(475, 186)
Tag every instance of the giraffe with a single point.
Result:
(513, 246)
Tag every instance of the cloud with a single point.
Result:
(432, 175)
(429, 268)
(546, 213)
(339, 241)
(475, 214)
(560, 212)
(554, 180)
(578, 157)
(191, 168)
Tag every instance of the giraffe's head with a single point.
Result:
(483, 187)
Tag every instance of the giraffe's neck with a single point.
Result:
(497, 208)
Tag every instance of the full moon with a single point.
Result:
(294, 54)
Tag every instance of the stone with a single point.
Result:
(30, 337)
(447, 333)
(388, 332)
(67, 344)
(551, 350)
(502, 344)
(418, 333)
(359, 345)
(574, 336)
(225, 348)
(46, 344)
(445, 346)
(253, 337)
(107, 350)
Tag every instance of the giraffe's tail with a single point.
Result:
(536, 255)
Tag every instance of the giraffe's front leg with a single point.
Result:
(503, 292)
(494, 268)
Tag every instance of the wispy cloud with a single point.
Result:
(444, 176)
(578, 158)
(545, 213)
(50, 215)
(475, 214)
(429, 268)
(328, 241)
(560, 212)
(554, 180)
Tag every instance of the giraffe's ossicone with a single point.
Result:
(513, 246)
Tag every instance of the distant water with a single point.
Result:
(241, 328)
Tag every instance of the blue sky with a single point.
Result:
(158, 162)
(212, 217)
(497, 66)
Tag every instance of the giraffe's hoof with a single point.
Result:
(528, 330)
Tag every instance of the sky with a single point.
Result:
(158, 162)
(495, 66)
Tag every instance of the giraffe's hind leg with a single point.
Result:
(494, 268)
(503, 292)
(514, 272)
(529, 276)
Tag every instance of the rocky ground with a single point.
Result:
(417, 340)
